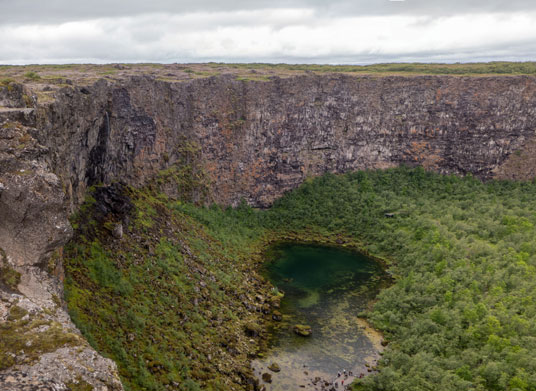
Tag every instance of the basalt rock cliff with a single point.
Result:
(251, 140)
(257, 139)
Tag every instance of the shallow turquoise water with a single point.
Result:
(325, 288)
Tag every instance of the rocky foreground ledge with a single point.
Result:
(40, 348)
(254, 136)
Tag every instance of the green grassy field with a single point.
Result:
(489, 68)
(65, 74)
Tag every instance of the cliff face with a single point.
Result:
(263, 139)
(252, 139)
(259, 139)
(40, 348)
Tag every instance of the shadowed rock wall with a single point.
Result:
(260, 139)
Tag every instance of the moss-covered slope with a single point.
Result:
(459, 316)
(172, 306)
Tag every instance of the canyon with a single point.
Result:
(246, 139)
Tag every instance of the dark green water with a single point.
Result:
(325, 288)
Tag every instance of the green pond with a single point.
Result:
(325, 288)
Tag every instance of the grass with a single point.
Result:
(490, 68)
(34, 76)
(8, 276)
(162, 301)
(83, 74)
(253, 78)
(6, 81)
(79, 385)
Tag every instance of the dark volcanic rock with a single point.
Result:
(277, 316)
(112, 199)
(256, 140)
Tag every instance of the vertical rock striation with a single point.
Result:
(40, 348)
(259, 139)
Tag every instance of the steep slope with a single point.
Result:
(174, 307)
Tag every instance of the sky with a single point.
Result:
(292, 31)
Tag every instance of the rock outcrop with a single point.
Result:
(252, 140)
(40, 348)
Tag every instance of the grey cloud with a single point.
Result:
(58, 11)
(302, 31)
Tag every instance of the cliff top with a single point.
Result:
(44, 80)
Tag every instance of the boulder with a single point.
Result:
(303, 330)
(277, 316)
(274, 367)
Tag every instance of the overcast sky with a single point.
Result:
(294, 31)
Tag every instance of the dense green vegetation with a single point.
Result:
(459, 316)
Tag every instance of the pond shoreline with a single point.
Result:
(334, 243)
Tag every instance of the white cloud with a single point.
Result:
(290, 35)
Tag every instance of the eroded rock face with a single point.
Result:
(259, 139)
(281, 132)
(253, 140)
(14, 95)
(40, 348)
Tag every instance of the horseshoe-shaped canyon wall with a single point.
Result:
(253, 140)
(259, 139)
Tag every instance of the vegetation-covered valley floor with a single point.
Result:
(178, 304)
